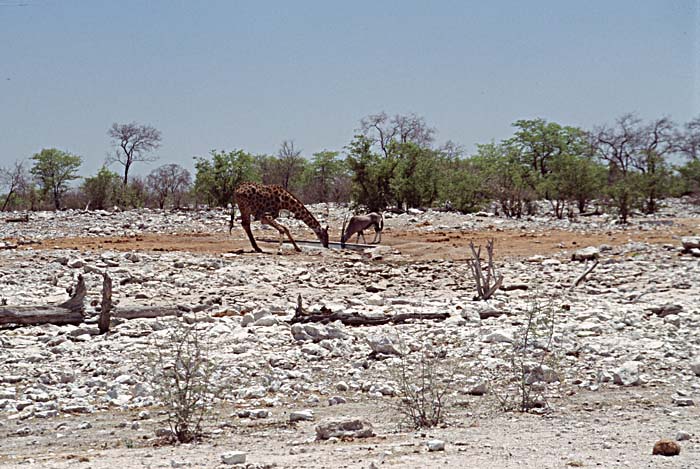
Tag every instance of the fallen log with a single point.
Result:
(325, 316)
(22, 219)
(71, 311)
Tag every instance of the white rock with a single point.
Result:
(353, 428)
(384, 345)
(436, 445)
(586, 254)
(301, 415)
(266, 321)
(233, 457)
(690, 242)
(695, 366)
(627, 374)
(498, 336)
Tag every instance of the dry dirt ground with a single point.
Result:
(616, 427)
(415, 245)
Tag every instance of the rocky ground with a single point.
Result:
(623, 368)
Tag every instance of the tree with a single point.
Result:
(689, 140)
(636, 156)
(325, 177)
(54, 169)
(13, 180)
(103, 189)
(376, 152)
(217, 179)
(505, 176)
(290, 163)
(133, 143)
(169, 181)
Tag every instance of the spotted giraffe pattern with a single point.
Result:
(264, 202)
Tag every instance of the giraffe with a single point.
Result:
(264, 203)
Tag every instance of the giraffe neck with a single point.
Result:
(302, 213)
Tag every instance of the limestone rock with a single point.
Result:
(353, 428)
(233, 457)
(586, 254)
(627, 374)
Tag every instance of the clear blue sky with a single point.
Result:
(250, 74)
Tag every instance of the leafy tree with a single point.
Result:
(371, 175)
(133, 143)
(506, 178)
(217, 179)
(54, 169)
(374, 156)
(103, 189)
(546, 147)
(170, 181)
(135, 194)
(574, 179)
(417, 178)
(690, 177)
(464, 186)
(325, 177)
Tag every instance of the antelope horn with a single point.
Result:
(342, 232)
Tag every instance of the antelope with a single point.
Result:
(359, 223)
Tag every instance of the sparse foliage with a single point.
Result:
(422, 387)
(531, 366)
(169, 182)
(14, 181)
(181, 372)
(133, 143)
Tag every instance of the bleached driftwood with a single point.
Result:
(71, 311)
(484, 288)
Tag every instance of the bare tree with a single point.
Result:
(291, 163)
(132, 143)
(689, 140)
(384, 130)
(618, 145)
(14, 180)
(170, 180)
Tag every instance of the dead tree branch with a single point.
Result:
(582, 277)
(486, 282)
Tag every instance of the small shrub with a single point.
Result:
(182, 378)
(531, 362)
(423, 386)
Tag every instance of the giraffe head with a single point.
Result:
(322, 233)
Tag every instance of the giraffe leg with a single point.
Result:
(245, 222)
(283, 230)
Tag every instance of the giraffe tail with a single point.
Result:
(233, 217)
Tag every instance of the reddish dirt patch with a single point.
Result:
(412, 243)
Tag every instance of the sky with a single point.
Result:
(248, 75)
